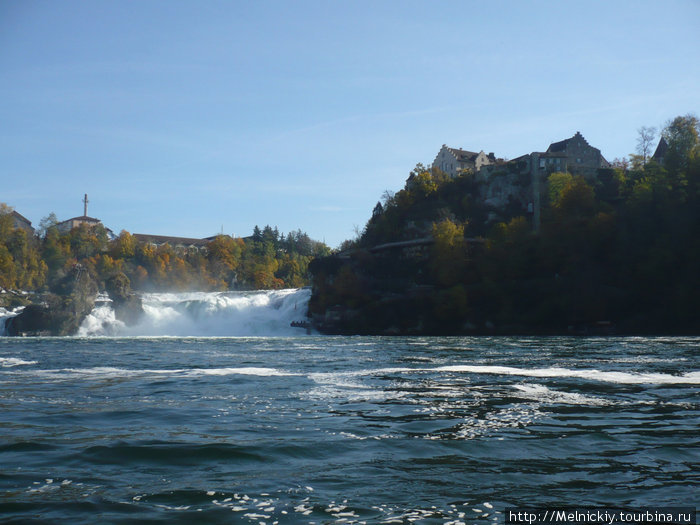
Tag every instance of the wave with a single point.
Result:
(691, 378)
(108, 373)
(7, 362)
(344, 380)
(248, 371)
(547, 395)
(202, 314)
(632, 378)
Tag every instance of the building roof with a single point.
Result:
(463, 154)
(21, 217)
(661, 149)
(562, 144)
(173, 241)
(213, 237)
(553, 155)
(82, 218)
(520, 158)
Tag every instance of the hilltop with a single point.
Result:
(560, 241)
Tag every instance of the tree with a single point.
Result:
(7, 224)
(226, 250)
(682, 135)
(257, 234)
(87, 241)
(449, 255)
(421, 181)
(124, 246)
(556, 183)
(56, 250)
(7, 268)
(299, 242)
(47, 222)
(621, 163)
(388, 198)
(577, 200)
(224, 255)
(645, 142)
(270, 235)
(20, 263)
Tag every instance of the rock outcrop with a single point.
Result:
(128, 306)
(13, 299)
(61, 311)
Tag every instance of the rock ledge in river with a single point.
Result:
(62, 312)
(128, 306)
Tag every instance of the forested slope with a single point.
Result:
(619, 252)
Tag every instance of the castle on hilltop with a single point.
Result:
(454, 161)
(574, 155)
(521, 180)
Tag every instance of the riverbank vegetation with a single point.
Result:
(266, 260)
(619, 250)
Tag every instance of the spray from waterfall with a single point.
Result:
(258, 313)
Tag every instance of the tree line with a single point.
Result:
(266, 260)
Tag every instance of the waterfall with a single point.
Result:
(5, 314)
(257, 313)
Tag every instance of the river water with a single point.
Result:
(297, 428)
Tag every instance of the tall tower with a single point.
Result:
(85, 203)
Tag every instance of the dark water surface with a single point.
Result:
(343, 429)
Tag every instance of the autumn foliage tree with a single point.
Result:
(21, 265)
(268, 260)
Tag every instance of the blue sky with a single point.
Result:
(180, 118)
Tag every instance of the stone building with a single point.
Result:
(581, 157)
(67, 225)
(453, 161)
(20, 221)
(521, 181)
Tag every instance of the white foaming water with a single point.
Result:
(5, 314)
(547, 395)
(103, 373)
(7, 362)
(259, 313)
(592, 374)
(631, 378)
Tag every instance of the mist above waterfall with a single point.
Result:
(257, 313)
